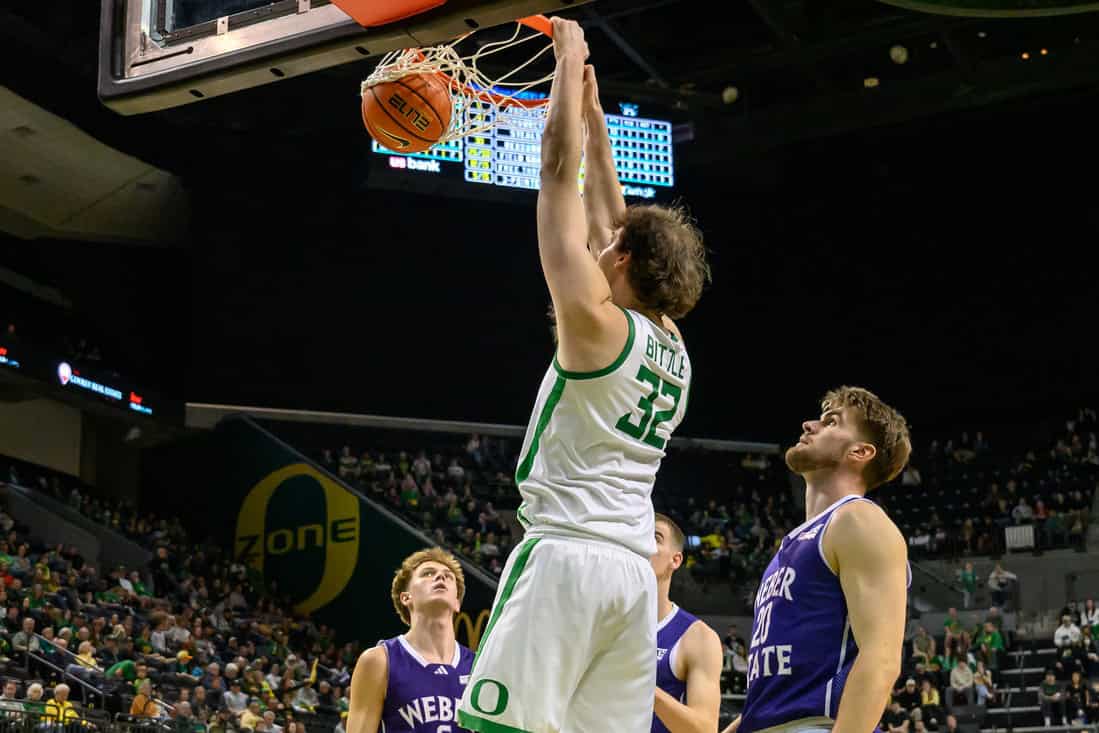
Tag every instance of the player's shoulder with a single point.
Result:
(862, 519)
(701, 646)
(702, 630)
(592, 336)
(375, 657)
(700, 635)
(862, 527)
(372, 669)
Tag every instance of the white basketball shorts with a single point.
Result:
(570, 645)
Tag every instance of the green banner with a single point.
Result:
(329, 549)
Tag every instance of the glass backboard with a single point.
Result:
(157, 54)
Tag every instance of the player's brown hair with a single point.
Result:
(403, 577)
(668, 267)
(881, 425)
(678, 538)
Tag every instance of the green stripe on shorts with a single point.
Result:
(483, 725)
(509, 586)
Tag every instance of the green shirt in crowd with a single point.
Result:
(127, 667)
(992, 641)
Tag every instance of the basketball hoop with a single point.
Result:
(476, 98)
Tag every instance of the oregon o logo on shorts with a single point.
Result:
(501, 697)
(338, 535)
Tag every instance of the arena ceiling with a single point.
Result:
(748, 75)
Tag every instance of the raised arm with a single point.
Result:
(868, 553)
(591, 331)
(733, 727)
(368, 684)
(701, 652)
(603, 201)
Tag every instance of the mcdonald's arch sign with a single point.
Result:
(473, 629)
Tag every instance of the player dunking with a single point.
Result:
(570, 641)
(413, 682)
(830, 610)
(688, 652)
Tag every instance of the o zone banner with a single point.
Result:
(332, 552)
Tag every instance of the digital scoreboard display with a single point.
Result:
(509, 155)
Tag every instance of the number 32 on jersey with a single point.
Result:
(645, 429)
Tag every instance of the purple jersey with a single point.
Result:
(422, 697)
(801, 649)
(668, 634)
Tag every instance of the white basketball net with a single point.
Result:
(476, 98)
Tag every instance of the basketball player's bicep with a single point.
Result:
(870, 557)
(704, 674)
(574, 279)
(368, 683)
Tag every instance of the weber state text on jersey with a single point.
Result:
(801, 649)
(596, 439)
(668, 633)
(423, 697)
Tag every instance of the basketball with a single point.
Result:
(407, 115)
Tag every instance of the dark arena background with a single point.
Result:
(250, 360)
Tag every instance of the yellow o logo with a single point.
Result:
(341, 530)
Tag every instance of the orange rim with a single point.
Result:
(539, 23)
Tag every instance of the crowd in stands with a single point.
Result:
(956, 672)
(117, 514)
(954, 500)
(730, 540)
(190, 641)
(958, 496)
(453, 496)
(944, 671)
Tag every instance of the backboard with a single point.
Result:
(157, 54)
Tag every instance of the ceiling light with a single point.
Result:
(730, 95)
(871, 82)
(899, 54)
(1025, 56)
(982, 34)
(934, 44)
(1045, 52)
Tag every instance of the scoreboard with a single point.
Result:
(508, 154)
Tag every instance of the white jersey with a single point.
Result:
(596, 439)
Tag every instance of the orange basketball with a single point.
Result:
(408, 115)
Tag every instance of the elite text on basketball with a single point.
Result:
(419, 121)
